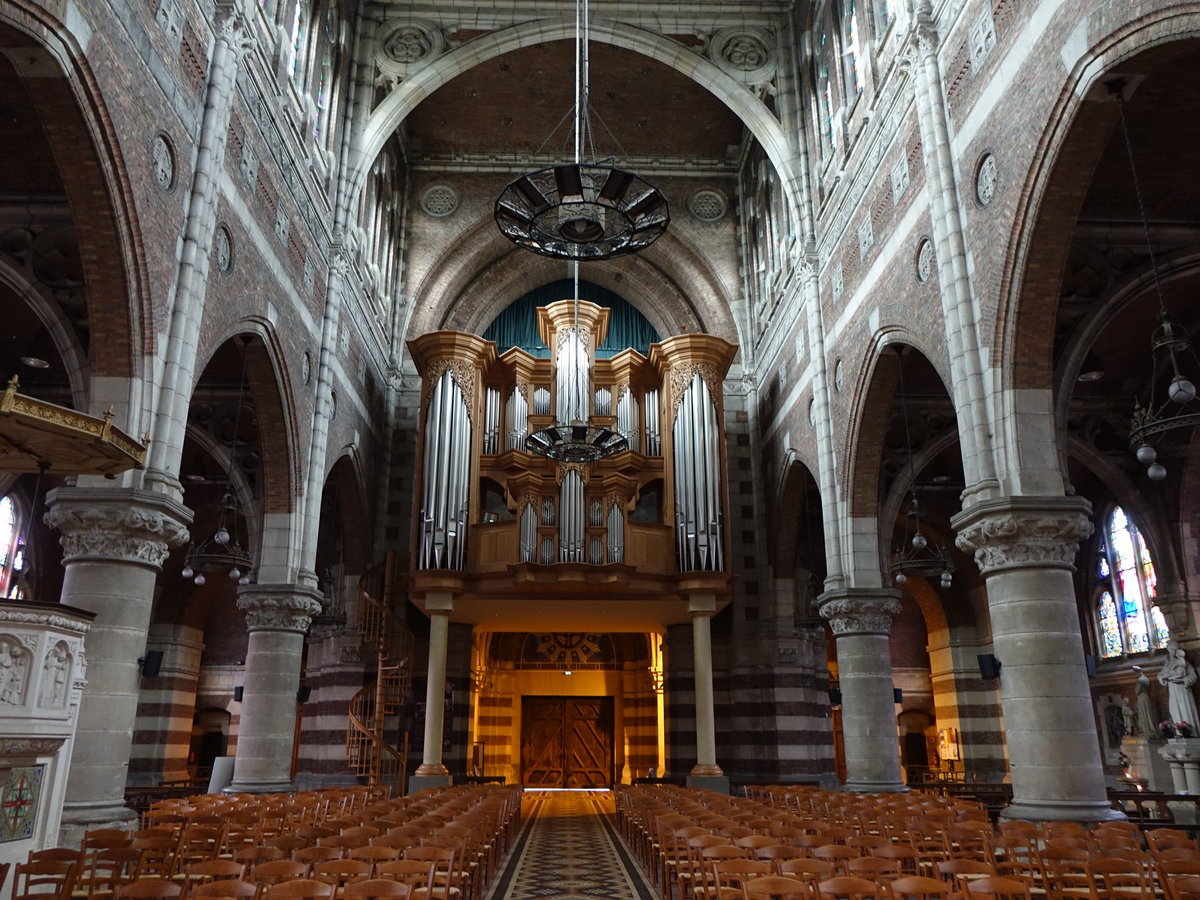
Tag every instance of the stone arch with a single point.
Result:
(670, 283)
(76, 122)
(388, 115)
(1058, 178)
(794, 490)
(347, 479)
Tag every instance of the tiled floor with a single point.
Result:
(569, 850)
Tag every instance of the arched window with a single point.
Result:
(885, 15)
(12, 553)
(852, 50)
(823, 83)
(1126, 587)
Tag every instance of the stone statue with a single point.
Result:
(1147, 716)
(1179, 675)
(1114, 725)
(1127, 716)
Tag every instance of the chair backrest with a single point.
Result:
(1186, 888)
(223, 889)
(149, 889)
(849, 888)
(44, 877)
(107, 870)
(416, 872)
(214, 869)
(276, 871)
(319, 854)
(999, 888)
(918, 887)
(300, 889)
(776, 886)
(1125, 878)
(378, 889)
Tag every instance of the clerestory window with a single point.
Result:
(1126, 586)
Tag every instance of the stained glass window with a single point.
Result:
(11, 552)
(852, 51)
(885, 14)
(1128, 620)
(824, 85)
(299, 38)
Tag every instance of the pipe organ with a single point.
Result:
(645, 524)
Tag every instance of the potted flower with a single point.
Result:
(1183, 729)
(1166, 729)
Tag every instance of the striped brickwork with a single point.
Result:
(162, 731)
(495, 721)
(336, 669)
(971, 705)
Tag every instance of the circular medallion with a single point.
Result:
(332, 405)
(926, 260)
(839, 374)
(812, 412)
(223, 248)
(162, 162)
(408, 45)
(746, 52)
(986, 176)
(707, 205)
(439, 200)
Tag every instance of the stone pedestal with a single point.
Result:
(1025, 547)
(277, 617)
(42, 676)
(861, 620)
(114, 542)
(1147, 765)
(1183, 755)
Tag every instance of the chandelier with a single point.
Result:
(916, 556)
(578, 210)
(1165, 411)
(223, 551)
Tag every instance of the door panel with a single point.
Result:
(567, 741)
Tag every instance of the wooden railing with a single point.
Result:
(369, 751)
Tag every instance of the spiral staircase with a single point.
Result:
(370, 751)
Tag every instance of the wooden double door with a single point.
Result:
(567, 742)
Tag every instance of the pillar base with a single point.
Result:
(718, 783)
(860, 786)
(260, 787)
(76, 819)
(1066, 811)
(418, 783)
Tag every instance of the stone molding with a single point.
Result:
(859, 610)
(278, 607)
(120, 525)
(29, 746)
(1024, 532)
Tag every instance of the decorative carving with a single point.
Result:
(681, 380)
(1024, 531)
(986, 175)
(29, 746)
(926, 260)
(708, 205)
(14, 670)
(860, 614)
(564, 468)
(162, 162)
(406, 46)
(439, 200)
(114, 532)
(463, 374)
(56, 675)
(745, 52)
(283, 611)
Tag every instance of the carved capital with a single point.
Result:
(859, 611)
(117, 525)
(1024, 532)
(278, 607)
(232, 26)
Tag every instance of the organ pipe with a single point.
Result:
(653, 435)
(517, 420)
(616, 534)
(571, 379)
(570, 520)
(445, 483)
(528, 533)
(491, 422)
(627, 416)
(698, 516)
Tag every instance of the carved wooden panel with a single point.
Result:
(567, 742)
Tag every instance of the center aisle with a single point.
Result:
(569, 850)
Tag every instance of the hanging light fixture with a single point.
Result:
(224, 551)
(1171, 351)
(916, 555)
(578, 210)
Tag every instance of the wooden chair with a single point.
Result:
(299, 889)
(874, 867)
(728, 877)
(1184, 888)
(838, 854)
(200, 842)
(847, 888)
(106, 870)
(158, 856)
(252, 856)
(903, 854)
(58, 854)
(999, 888)
(375, 854)
(210, 870)
(149, 889)
(1066, 874)
(311, 856)
(223, 889)
(378, 889)
(43, 878)
(1122, 879)
(415, 873)
(918, 887)
(277, 871)
(340, 872)
(776, 887)
(445, 883)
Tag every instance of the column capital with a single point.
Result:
(278, 607)
(1024, 532)
(117, 524)
(859, 610)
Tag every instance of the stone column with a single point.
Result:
(277, 617)
(114, 542)
(706, 773)
(861, 619)
(1025, 547)
(432, 772)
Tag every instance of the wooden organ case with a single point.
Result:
(526, 542)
